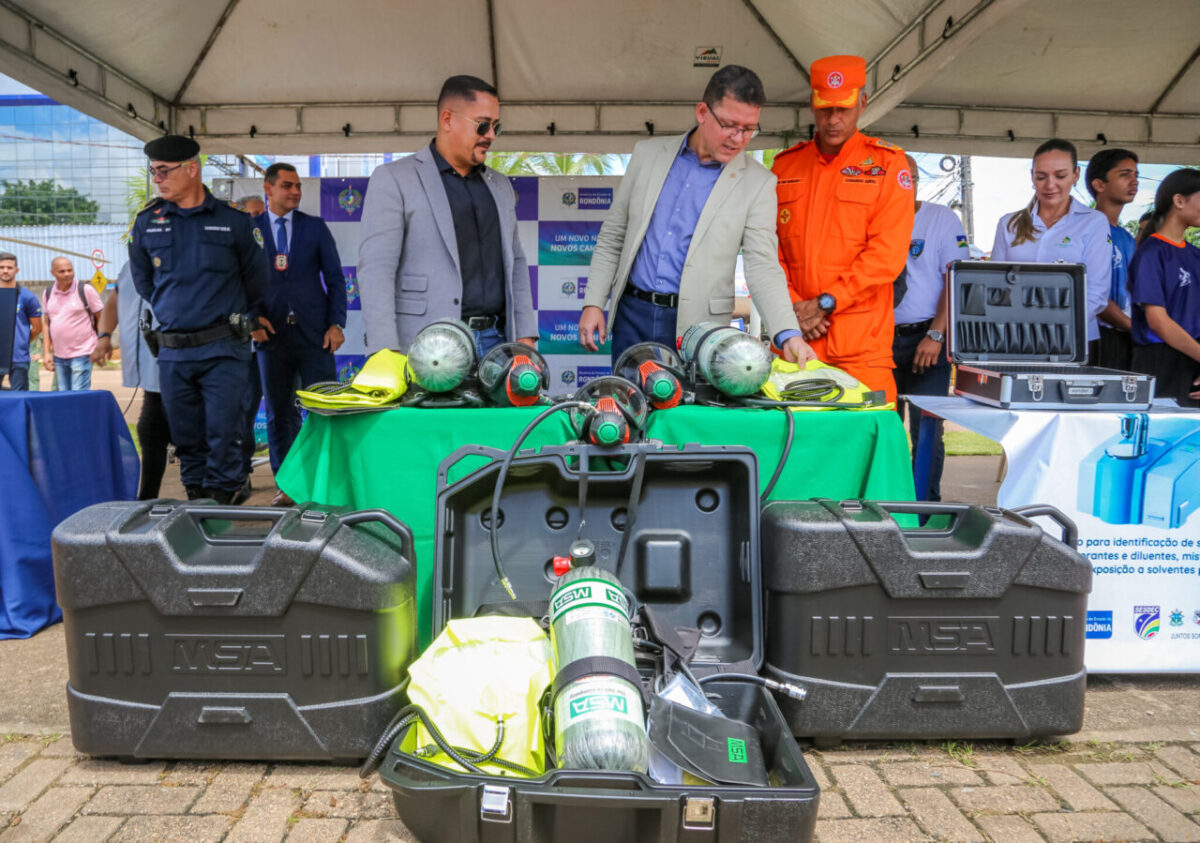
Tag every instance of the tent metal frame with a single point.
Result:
(70, 73)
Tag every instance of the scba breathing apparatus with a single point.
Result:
(442, 371)
(596, 714)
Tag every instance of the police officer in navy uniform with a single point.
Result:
(200, 265)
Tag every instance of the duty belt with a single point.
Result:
(191, 339)
(481, 323)
(914, 327)
(656, 299)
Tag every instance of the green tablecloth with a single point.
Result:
(390, 459)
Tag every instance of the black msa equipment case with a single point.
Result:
(693, 556)
(1018, 335)
(211, 632)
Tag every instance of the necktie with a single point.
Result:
(281, 243)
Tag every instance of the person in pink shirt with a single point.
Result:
(70, 308)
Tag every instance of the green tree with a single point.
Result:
(44, 203)
(1192, 235)
(139, 190)
(137, 193)
(551, 163)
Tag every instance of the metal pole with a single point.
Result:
(965, 194)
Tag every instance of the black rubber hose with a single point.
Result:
(504, 466)
(444, 745)
(403, 719)
(460, 754)
(465, 758)
(783, 457)
(733, 677)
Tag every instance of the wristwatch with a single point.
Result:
(102, 335)
(936, 336)
(826, 302)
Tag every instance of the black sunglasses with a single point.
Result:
(482, 127)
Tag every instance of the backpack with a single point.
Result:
(82, 298)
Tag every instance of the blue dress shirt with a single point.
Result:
(659, 262)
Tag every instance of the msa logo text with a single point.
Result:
(258, 654)
(930, 636)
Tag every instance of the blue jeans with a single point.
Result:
(486, 340)
(642, 321)
(18, 377)
(73, 373)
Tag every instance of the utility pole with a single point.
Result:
(965, 195)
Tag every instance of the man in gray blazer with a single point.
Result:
(687, 205)
(439, 234)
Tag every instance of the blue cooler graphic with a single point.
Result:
(1139, 478)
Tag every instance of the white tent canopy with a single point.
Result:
(966, 76)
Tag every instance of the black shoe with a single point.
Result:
(221, 496)
(195, 492)
(243, 494)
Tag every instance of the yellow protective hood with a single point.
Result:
(475, 671)
(380, 383)
(816, 381)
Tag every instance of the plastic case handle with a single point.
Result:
(1070, 533)
(382, 516)
(490, 454)
(919, 508)
(200, 514)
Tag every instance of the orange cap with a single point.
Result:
(837, 80)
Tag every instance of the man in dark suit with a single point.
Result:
(305, 309)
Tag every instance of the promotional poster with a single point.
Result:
(1131, 483)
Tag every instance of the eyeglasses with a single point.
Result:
(159, 173)
(733, 130)
(482, 127)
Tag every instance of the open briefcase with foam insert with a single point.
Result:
(692, 555)
(969, 626)
(201, 631)
(1018, 334)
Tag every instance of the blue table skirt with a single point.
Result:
(59, 452)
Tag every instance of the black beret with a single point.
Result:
(171, 148)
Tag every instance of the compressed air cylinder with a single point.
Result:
(599, 722)
(731, 360)
(442, 355)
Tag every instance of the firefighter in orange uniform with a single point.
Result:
(845, 220)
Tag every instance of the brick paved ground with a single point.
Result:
(1089, 790)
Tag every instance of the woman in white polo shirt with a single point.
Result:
(1056, 227)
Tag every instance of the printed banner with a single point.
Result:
(348, 365)
(526, 188)
(1131, 484)
(342, 201)
(568, 372)
(353, 300)
(566, 243)
(558, 333)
